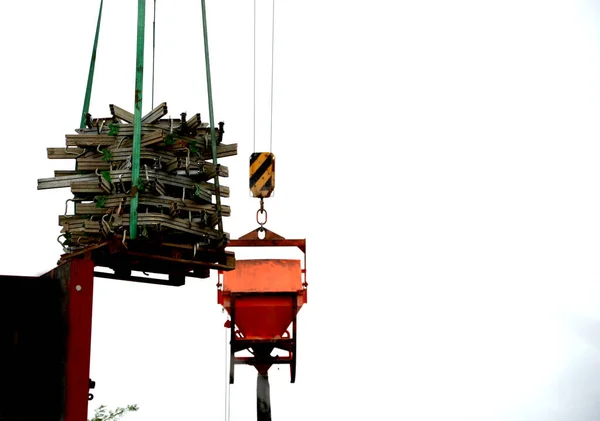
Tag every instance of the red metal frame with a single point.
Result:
(79, 285)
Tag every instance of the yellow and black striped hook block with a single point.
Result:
(262, 174)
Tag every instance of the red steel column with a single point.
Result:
(79, 291)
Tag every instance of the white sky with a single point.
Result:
(441, 158)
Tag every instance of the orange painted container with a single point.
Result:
(267, 293)
(263, 297)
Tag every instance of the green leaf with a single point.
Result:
(106, 175)
(193, 146)
(142, 186)
(113, 129)
(100, 201)
(170, 140)
(103, 414)
(106, 155)
(197, 190)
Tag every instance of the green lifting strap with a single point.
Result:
(137, 120)
(212, 121)
(88, 90)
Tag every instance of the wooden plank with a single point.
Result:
(182, 141)
(168, 154)
(106, 185)
(194, 122)
(64, 153)
(160, 189)
(153, 138)
(123, 153)
(66, 173)
(94, 140)
(223, 151)
(71, 219)
(70, 178)
(181, 225)
(65, 181)
(82, 187)
(198, 173)
(89, 209)
(86, 188)
(146, 174)
(155, 115)
(121, 114)
(127, 129)
(211, 188)
(165, 202)
(82, 228)
(205, 170)
(92, 164)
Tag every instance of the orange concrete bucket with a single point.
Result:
(268, 295)
(263, 297)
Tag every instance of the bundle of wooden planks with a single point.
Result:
(176, 209)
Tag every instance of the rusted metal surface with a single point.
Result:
(176, 260)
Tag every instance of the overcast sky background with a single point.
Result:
(441, 158)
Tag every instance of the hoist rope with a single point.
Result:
(212, 120)
(272, 78)
(227, 384)
(272, 82)
(88, 90)
(254, 85)
(153, 50)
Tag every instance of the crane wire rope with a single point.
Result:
(271, 81)
(227, 384)
(272, 78)
(254, 83)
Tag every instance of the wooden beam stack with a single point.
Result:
(176, 189)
